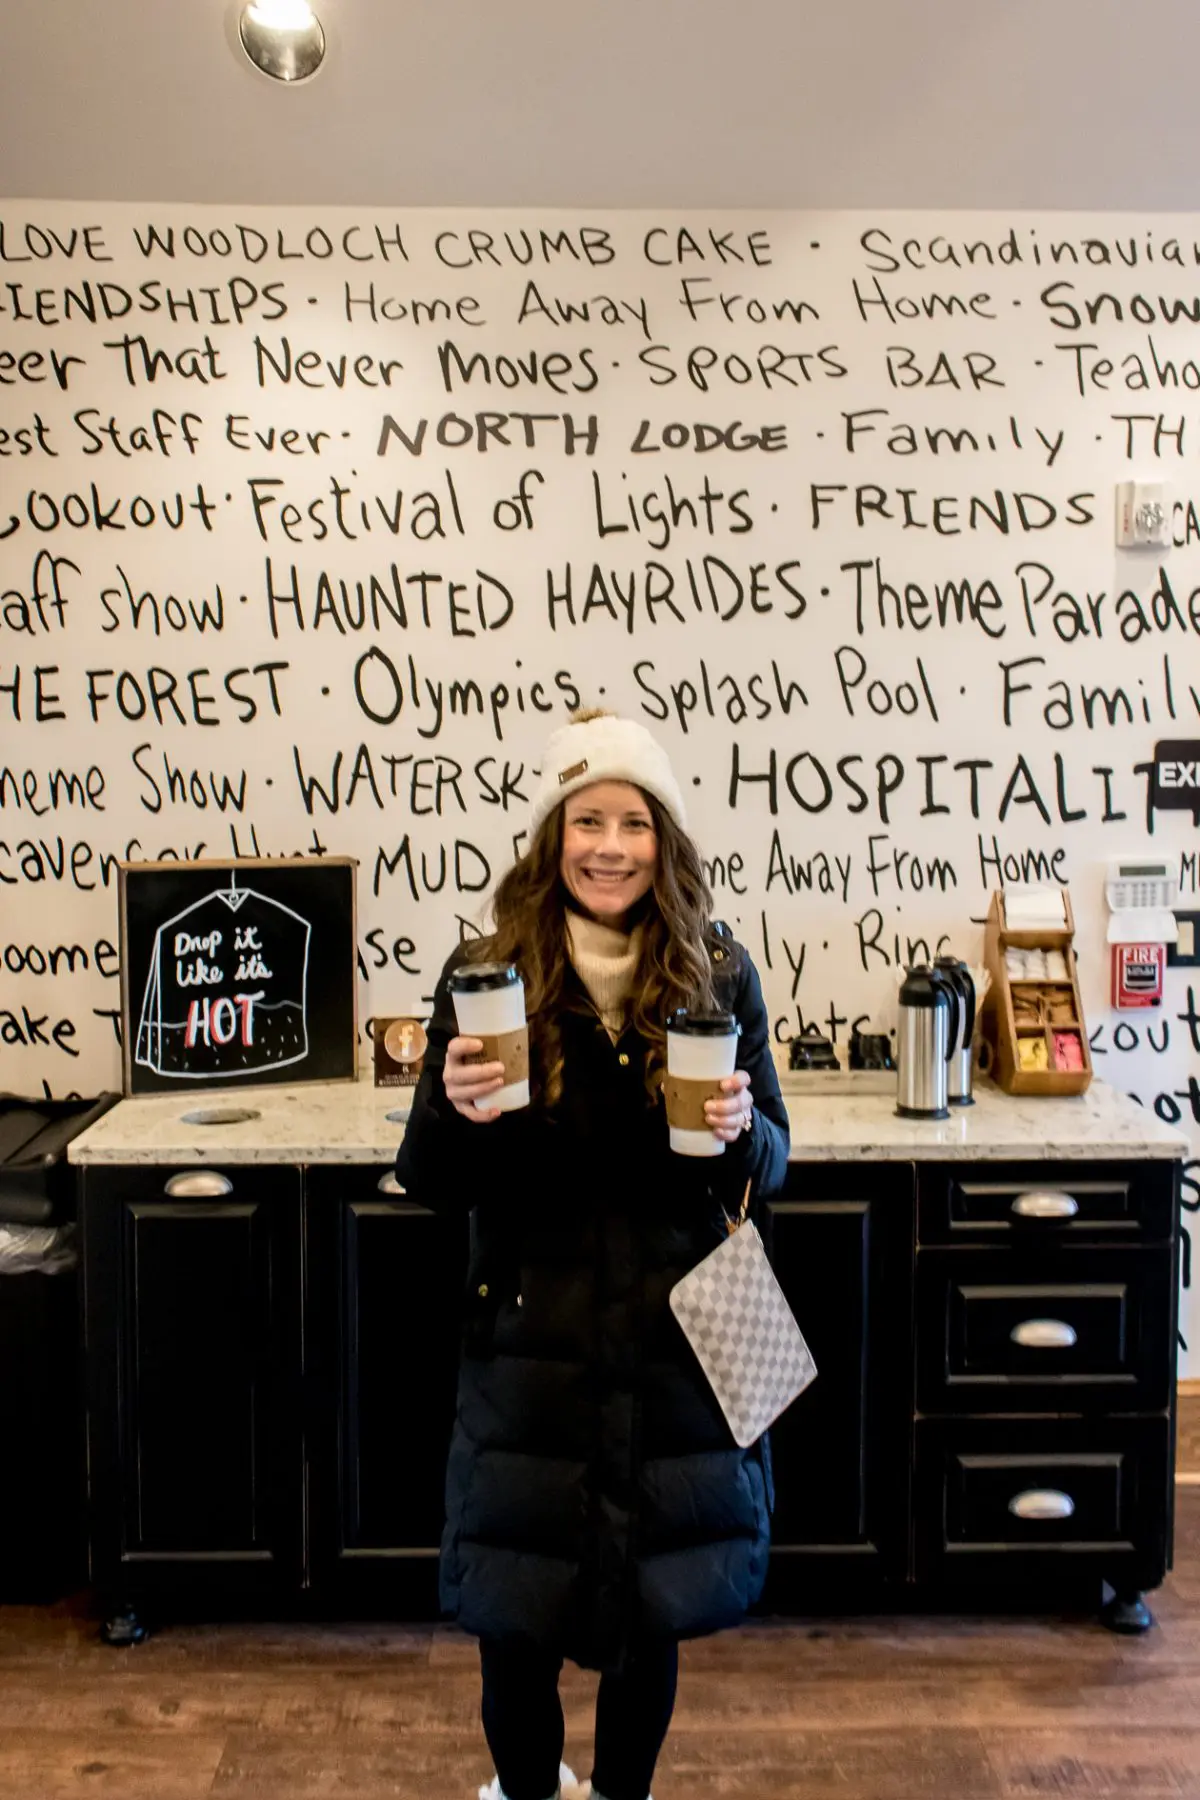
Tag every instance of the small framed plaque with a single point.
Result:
(400, 1046)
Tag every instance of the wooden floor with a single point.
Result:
(860, 1709)
(1187, 1459)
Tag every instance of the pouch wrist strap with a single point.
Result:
(731, 1225)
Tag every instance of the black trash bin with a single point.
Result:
(42, 1524)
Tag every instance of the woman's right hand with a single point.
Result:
(467, 1082)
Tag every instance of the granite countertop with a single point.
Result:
(851, 1121)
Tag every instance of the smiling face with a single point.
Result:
(610, 849)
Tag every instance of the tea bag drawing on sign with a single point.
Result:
(227, 990)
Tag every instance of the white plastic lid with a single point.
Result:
(1143, 925)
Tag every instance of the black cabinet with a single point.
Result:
(384, 1304)
(841, 1244)
(1045, 1378)
(41, 1431)
(272, 1360)
(193, 1339)
(272, 1357)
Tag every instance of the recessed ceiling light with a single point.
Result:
(283, 38)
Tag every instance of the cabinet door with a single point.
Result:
(192, 1320)
(384, 1309)
(842, 1245)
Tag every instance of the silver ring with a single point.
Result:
(747, 1120)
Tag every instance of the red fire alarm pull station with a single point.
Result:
(1141, 924)
(1137, 974)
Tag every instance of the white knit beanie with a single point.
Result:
(604, 748)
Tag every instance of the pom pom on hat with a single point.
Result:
(603, 747)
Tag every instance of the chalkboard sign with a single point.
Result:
(239, 972)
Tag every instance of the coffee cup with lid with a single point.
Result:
(701, 1053)
(489, 1004)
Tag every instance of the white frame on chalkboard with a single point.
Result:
(235, 867)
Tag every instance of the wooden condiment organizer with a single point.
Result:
(1000, 1028)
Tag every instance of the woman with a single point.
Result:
(597, 1506)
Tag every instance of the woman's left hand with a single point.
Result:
(733, 1112)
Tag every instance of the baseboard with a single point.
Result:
(1188, 1390)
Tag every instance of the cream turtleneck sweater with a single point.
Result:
(605, 960)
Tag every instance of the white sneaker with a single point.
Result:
(568, 1789)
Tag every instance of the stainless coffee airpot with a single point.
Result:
(929, 1023)
(958, 1081)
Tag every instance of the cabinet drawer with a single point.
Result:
(359, 1183)
(1072, 1330)
(1047, 1202)
(1002, 1498)
(188, 1183)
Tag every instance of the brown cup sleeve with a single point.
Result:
(685, 1101)
(508, 1047)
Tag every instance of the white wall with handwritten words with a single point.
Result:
(313, 523)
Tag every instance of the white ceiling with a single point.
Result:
(1020, 103)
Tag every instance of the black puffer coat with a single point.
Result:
(594, 1492)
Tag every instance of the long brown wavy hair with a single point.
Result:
(530, 910)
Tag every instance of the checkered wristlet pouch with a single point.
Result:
(734, 1315)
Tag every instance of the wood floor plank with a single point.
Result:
(829, 1764)
(1160, 1696)
(257, 1766)
(63, 1764)
(289, 1643)
(1136, 1763)
(95, 1703)
(908, 1641)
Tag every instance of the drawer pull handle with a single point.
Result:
(198, 1184)
(388, 1184)
(1041, 1503)
(1045, 1334)
(1045, 1206)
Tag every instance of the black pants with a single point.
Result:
(523, 1719)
